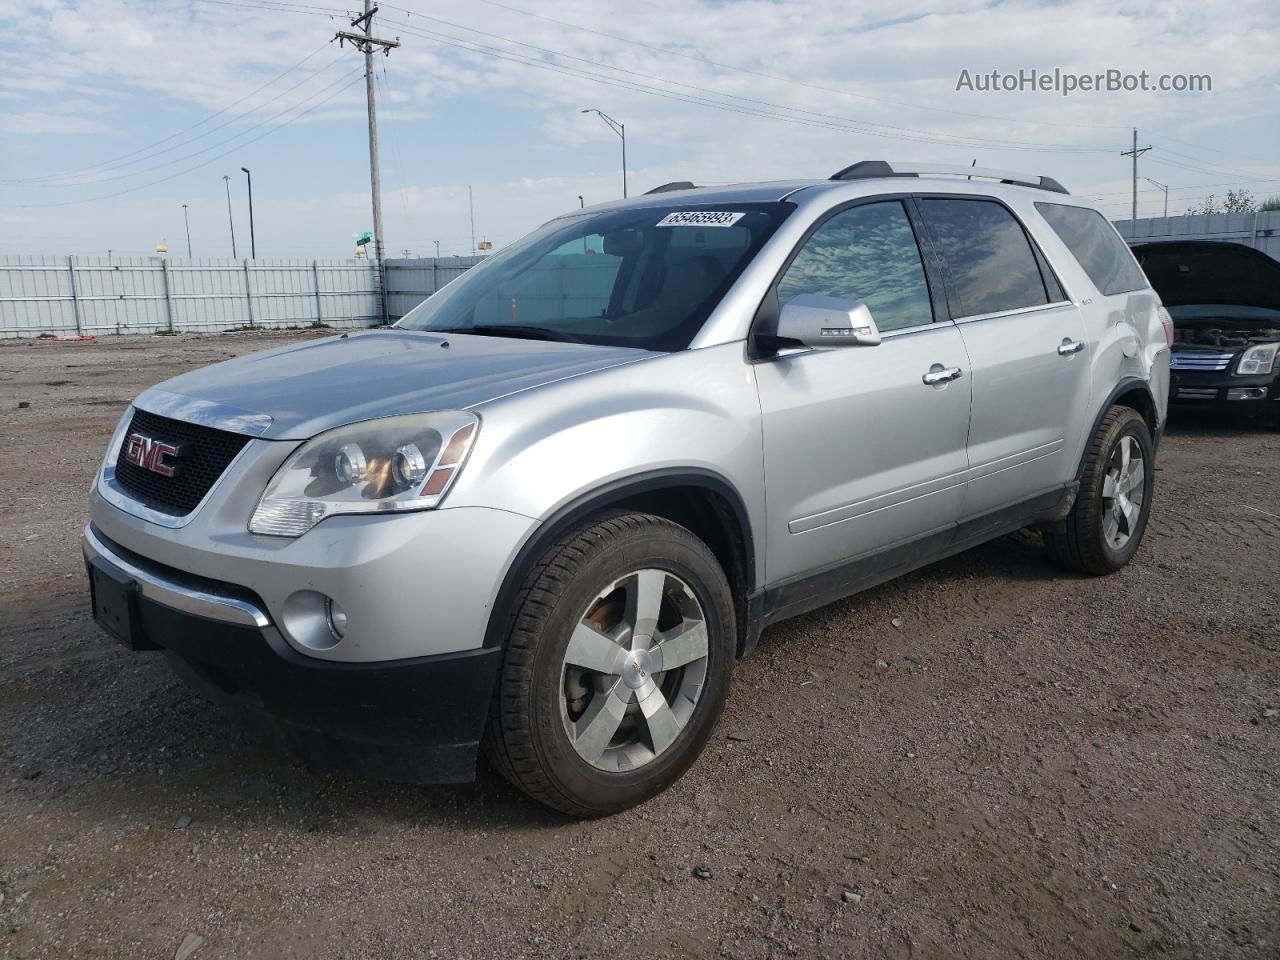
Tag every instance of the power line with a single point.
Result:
(845, 125)
(757, 73)
(353, 78)
(218, 143)
(897, 131)
(179, 133)
(304, 9)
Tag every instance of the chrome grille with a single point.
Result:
(1200, 361)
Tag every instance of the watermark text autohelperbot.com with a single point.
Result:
(1066, 82)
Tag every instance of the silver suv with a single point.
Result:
(545, 513)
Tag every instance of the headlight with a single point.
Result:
(378, 466)
(1257, 360)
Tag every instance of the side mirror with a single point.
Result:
(818, 321)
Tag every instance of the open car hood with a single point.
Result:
(1186, 272)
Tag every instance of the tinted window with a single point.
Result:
(866, 253)
(991, 267)
(639, 277)
(1092, 241)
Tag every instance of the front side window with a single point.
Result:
(865, 253)
(990, 264)
(639, 277)
(1093, 242)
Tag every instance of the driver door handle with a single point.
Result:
(938, 375)
(1069, 346)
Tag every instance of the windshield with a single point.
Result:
(646, 277)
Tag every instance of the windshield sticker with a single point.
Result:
(700, 218)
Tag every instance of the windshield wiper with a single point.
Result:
(518, 331)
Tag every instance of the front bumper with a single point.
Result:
(410, 584)
(417, 719)
(1223, 391)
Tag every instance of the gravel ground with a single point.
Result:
(985, 759)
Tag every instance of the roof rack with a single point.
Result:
(867, 169)
(673, 185)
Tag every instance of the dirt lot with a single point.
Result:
(1000, 760)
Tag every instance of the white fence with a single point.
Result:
(65, 296)
(409, 282)
(1258, 230)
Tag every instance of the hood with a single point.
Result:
(1186, 272)
(314, 386)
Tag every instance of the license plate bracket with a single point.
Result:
(114, 596)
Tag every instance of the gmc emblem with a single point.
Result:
(150, 454)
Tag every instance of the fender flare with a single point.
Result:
(600, 498)
(1127, 385)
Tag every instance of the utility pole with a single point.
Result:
(187, 223)
(366, 42)
(1135, 153)
(1165, 188)
(226, 182)
(253, 243)
(437, 243)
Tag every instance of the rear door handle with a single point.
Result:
(1069, 347)
(938, 375)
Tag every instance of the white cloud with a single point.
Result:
(103, 63)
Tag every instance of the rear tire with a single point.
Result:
(1105, 527)
(589, 729)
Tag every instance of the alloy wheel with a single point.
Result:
(634, 670)
(1123, 491)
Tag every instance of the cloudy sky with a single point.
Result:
(114, 114)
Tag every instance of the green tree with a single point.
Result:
(1270, 204)
(1237, 201)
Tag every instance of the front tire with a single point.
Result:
(1105, 527)
(617, 668)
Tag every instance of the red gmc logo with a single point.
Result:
(149, 453)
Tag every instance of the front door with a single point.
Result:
(1027, 346)
(860, 453)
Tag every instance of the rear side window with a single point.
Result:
(865, 253)
(990, 263)
(1101, 252)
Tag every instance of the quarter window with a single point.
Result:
(991, 265)
(1093, 242)
(865, 253)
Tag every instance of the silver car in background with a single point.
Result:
(545, 513)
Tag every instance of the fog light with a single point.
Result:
(1247, 393)
(313, 620)
(337, 618)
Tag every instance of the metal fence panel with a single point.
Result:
(63, 296)
(1258, 230)
(409, 282)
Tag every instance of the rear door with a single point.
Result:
(1027, 347)
(860, 453)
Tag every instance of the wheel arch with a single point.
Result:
(701, 500)
(1129, 392)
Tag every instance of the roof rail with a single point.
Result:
(867, 169)
(673, 185)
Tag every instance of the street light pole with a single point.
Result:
(621, 130)
(437, 243)
(581, 203)
(226, 182)
(187, 223)
(253, 243)
(1165, 188)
